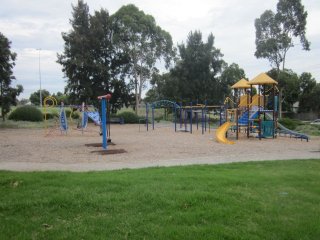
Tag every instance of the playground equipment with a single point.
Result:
(104, 103)
(61, 122)
(183, 116)
(49, 103)
(85, 114)
(250, 110)
(255, 114)
(221, 133)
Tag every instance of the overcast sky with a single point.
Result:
(37, 24)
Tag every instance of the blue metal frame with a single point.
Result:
(104, 122)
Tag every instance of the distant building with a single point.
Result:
(295, 107)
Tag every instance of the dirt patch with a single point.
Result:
(30, 150)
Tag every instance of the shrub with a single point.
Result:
(290, 123)
(75, 114)
(68, 112)
(129, 117)
(26, 113)
(50, 115)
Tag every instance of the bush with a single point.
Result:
(290, 123)
(68, 112)
(129, 117)
(51, 115)
(26, 113)
(75, 114)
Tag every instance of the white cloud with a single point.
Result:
(38, 24)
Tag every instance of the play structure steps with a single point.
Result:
(243, 120)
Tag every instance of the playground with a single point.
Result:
(31, 150)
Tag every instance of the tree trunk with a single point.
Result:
(284, 60)
(136, 94)
(1, 96)
(140, 87)
(280, 94)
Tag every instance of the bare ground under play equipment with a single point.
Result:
(31, 150)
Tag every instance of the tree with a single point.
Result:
(164, 86)
(35, 96)
(315, 98)
(307, 86)
(196, 72)
(229, 76)
(289, 82)
(110, 61)
(275, 32)
(137, 34)
(76, 59)
(60, 97)
(90, 61)
(8, 94)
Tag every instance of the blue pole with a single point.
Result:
(175, 118)
(220, 116)
(104, 122)
(197, 121)
(205, 116)
(185, 119)
(191, 117)
(152, 116)
(202, 119)
(180, 114)
(147, 120)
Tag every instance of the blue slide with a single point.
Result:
(286, 131)
(243, 120)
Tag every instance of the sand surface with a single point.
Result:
(32, 150)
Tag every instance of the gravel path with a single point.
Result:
(32, 150)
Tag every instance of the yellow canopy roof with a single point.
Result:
(243, 83)
(262, 79)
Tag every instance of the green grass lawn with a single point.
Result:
(257, 200)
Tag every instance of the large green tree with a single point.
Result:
(163, 86)
(307, 88)
(275, 32)
(197, 71)
(230, 75)
(76, 59)
(35, 96)
(91, 63)
(289, 82)
(138, 35)
(8, 94)
(315, 98)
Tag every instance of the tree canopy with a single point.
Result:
(144, 42)
(275, 32)
(35, 96)
(195, 75)
(90, 61)
(8, 94)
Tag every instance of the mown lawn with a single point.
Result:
(257, 200)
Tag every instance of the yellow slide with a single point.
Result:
(221, 133)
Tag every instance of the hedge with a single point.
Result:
(26, 113)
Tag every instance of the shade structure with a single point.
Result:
(243, 83)
(262, 79)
